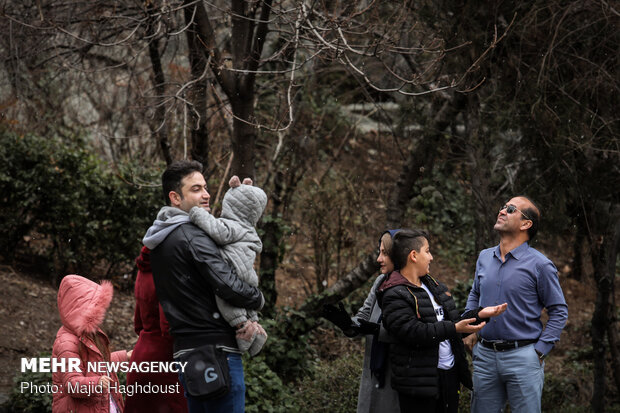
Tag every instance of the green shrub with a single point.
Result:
(441, 208)
(460, 292)
(30, 401)
(287, 352)
(35, 401)
(82, 213)
(464, 400)
(560, 393)
(27, 402)
(265, 392)
(334, 386)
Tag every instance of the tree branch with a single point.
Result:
(206, 36)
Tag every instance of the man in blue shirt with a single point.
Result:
(508, 358)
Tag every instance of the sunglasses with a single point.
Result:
(511, 209)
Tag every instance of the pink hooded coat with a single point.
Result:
(82, 305)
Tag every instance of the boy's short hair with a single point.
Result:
(405, 241)
(174, 174)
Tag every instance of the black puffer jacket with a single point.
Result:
(188, 272)
(409, 316)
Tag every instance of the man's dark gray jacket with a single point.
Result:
(188, 272)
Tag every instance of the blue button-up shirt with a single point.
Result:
(528, 282)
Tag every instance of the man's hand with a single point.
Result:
(488, 312)
(469, 342)
(465, 326)
(338, 316)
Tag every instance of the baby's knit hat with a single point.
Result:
(243, 201)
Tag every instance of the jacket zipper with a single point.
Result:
(417, 309)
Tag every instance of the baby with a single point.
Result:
(235, 233)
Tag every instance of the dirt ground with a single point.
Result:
(29, 319)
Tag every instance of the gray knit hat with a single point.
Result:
(243, 202)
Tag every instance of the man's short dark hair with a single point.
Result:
(405, 241)
(174, 174)
(534, 215)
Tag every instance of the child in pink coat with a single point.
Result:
(82, 304)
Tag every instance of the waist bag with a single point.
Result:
(206, 373)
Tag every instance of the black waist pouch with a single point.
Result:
(206, 373)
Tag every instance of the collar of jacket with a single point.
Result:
(90, 343)
(396, 278)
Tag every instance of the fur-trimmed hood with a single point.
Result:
(82, 303)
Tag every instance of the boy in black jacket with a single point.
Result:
(429, 358)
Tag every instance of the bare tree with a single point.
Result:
(419, 163)
(190, 72)
(234, 48)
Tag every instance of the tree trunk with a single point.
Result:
(612, 332)
(197, 95)
(614, 343)
(576, 272)
(272, 252)
(158, 126)
(244, 135)
(248, 39)
(285, 181)
(604, 238)
(420, 159)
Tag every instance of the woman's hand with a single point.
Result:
(464, 326)
(105, 381)
(129, 353)
(488, 312)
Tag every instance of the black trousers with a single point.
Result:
(446, 402)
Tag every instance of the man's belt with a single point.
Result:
(505, 345)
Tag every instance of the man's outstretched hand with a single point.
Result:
(488, 312)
